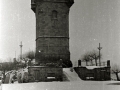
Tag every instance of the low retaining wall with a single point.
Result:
(98, 73)
(41, 74)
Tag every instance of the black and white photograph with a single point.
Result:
(59, 44)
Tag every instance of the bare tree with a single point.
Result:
(91, 59)
(28, 57)
(86, 58)
(90, 56)
(95, 56)
(116, 69)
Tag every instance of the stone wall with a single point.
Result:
(45, 73)
(96, 74)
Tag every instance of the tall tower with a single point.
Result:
(52, 29)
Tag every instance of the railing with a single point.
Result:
(83, 63)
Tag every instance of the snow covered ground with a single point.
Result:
(78, 85)
(74, 83)
(71, 74)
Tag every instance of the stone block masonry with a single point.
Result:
(52, 29)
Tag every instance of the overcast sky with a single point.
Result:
(91, 22)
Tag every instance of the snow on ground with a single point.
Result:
(71, 74)
(79, 85)
(21, 74)
(93, 67)
(75, 83)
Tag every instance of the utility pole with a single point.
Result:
(99, 48)
(21, 50)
